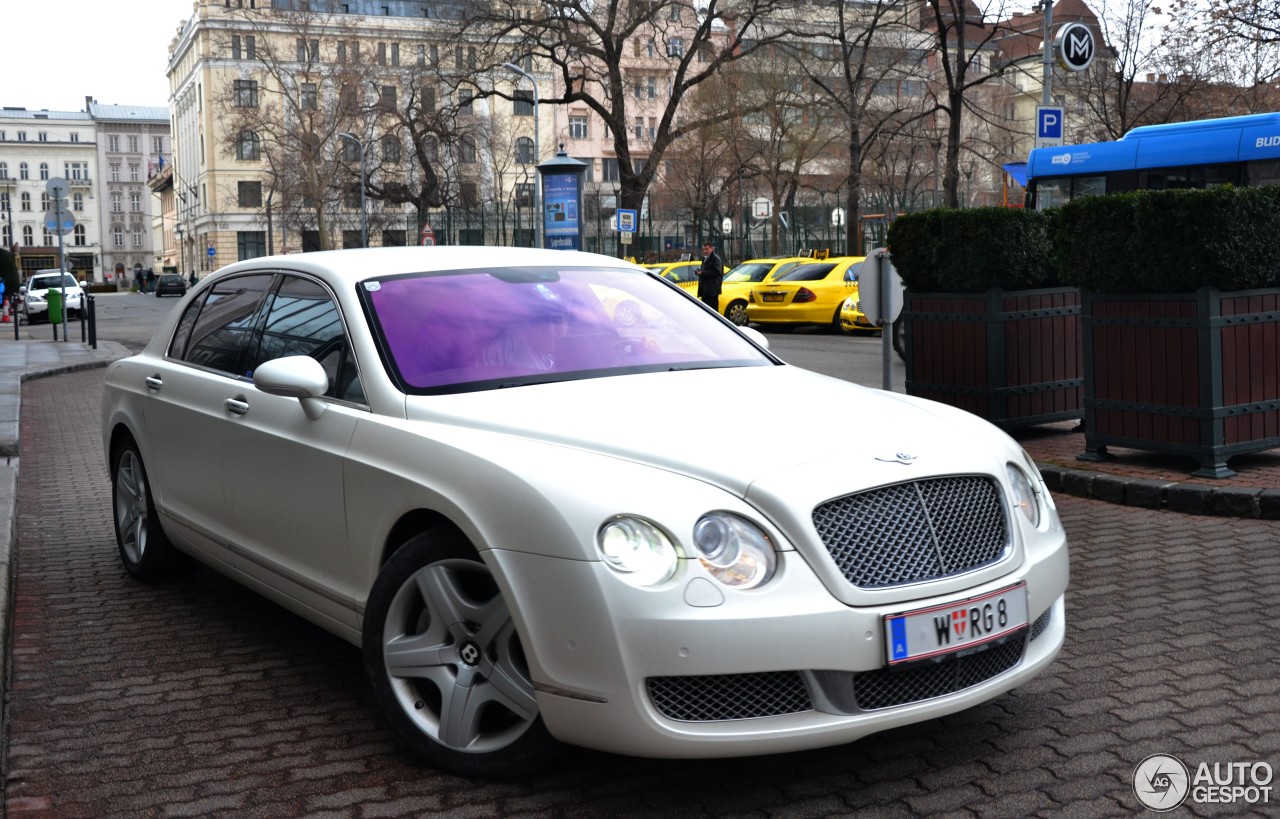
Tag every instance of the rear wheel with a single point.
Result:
(145, 550)
(446, 663)
(737, 312)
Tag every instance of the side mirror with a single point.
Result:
(83, 285)
(23, 290)
(295, 376)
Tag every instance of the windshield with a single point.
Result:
(45, 282)
(806, 273)
(749, 272)
(469, 330)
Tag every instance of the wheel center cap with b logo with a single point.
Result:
(470, 653)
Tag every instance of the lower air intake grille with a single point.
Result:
(1041, 623)
(886, 688)
(730, 696)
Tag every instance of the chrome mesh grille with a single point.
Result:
(729, 696)
(886, 688)
(916, 531)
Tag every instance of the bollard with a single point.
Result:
(92, 316)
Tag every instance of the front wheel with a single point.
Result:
(737, 313)
(446, 663)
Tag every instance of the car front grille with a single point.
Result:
(1041, 623)
(916, 531)
(717, 697)
(885, 688)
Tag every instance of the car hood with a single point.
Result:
(774, 430)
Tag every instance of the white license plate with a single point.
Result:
(957, 627)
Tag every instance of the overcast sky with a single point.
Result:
(56, 54)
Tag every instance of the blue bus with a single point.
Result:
(1241, 151)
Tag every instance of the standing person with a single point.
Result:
(709, 277)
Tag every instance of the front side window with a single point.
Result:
(302, 319)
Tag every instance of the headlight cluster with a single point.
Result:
(1025, 496)
(732, 549)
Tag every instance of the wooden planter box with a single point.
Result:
(1194, 374)
(1012, 357)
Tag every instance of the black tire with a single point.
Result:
(436, 613)
(835, 325)
(736, 312)
(145, 550)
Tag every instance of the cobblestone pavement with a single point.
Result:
(201, 699)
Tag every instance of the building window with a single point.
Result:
(117, 203)
(590, 175)
(609, 169)
(250, 51)
(133, 144)
(250, 244)
(309, 97)
(523, 104)
(44, 170)
(134, 169)
(44, 202)
(235, 46)
(22, 136)
(4, 170)
(350, 151)
(249, 194)
(25, 202)
(382, 53)
(157, 145)
(248, 146)
(464, 103)
(395, 54)
(524, 194)
(347, 100)
(246, 94)
(307, 50)
(75, 136)
(77, 201)
(28, 236)
(675, 47)
(428, 98)
(524, 151)
(391, 148)
(42, 136)
(78, 235)
(4, 201)
(113, 144)
(115, 171)
(387, 98)
(137, 235)
(117, 236)
(6, 235)
(23, 171)
(466, 150)
(578, 127)
(135, 203)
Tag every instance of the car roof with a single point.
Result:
(363, 263)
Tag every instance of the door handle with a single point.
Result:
(236, 406)
(154, 382)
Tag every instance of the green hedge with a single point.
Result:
(1171, 241)
(972, 250)
(1143, 242)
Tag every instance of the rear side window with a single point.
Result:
(806, 273)
(222, 332)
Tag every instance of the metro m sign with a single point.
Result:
(1075, 46)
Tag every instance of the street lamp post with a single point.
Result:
(364, 216)
(537, 151)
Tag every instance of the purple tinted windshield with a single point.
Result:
(446, 330)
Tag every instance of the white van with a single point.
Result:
(35, 294)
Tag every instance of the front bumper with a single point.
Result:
(649, 672)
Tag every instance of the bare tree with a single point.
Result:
(632, 62)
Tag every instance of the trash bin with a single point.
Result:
(54, 297)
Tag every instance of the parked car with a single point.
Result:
(852, 319)
(685, 273)
(450, 457)
(736, 287)
(171, 284)
(809, 293)
(35, 295)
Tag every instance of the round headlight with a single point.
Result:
(1024, 494)
(637, 550)
(735, 551)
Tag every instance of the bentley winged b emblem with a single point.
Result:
(904, 458)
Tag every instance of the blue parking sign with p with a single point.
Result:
(1048, 126)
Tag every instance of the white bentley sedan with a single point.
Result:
(460, 460)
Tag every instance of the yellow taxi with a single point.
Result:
(684, 274)
(812, 292)
(852, 319)
(738, 282)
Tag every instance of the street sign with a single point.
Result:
(1049, 126)
(626, 220)
(213, 251)
(625, 236)
(57, 187)
(879, 288)
(64, 227)
(1075, 46)
(428, 238)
